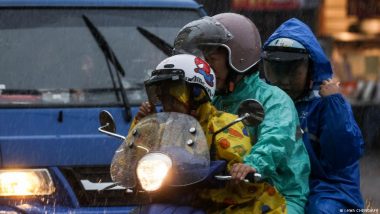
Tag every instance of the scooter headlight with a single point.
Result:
(152, 170)
(25, 182)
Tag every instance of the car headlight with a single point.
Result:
(25, 182)
(152, 170)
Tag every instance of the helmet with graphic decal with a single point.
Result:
(186, 78)
(232, 31)
(287, 65)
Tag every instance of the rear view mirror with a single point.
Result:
(107, 122)
(252, 111)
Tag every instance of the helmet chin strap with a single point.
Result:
(233, 78)
(231, 81)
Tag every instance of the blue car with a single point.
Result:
(62, 62)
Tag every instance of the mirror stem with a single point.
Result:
(232, 123)
(110, 133)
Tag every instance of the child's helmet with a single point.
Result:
(186, 70)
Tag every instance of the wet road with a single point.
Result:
(370, 178)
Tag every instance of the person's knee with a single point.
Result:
(323, 206)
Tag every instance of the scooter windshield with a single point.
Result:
(179, 136)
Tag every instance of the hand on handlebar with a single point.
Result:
(240, 170)
(145, 109)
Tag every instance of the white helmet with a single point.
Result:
(191, 69)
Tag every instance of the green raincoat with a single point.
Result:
(278, 153)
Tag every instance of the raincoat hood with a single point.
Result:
(299, 31)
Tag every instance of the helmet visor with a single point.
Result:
(165, 92)
(284, 56)
(203, 32)
(285, 72)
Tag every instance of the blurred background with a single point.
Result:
(349, 32)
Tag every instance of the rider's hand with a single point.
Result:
(145, 109)
(240, 170)
(329, 87)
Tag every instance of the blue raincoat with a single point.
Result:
(332, 137)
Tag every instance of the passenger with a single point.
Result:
(186, 84)
(295, 62)
(231, 44)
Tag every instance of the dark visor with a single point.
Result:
(282, 56)
(279, 69)
(165, 89)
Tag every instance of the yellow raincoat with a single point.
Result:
(232, 145)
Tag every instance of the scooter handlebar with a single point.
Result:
(250, 178)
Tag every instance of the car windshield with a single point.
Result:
(49, 56)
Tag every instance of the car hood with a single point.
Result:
(57, 137)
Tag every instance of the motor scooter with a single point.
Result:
(165, 157)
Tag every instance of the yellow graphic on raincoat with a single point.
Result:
(232, 145)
